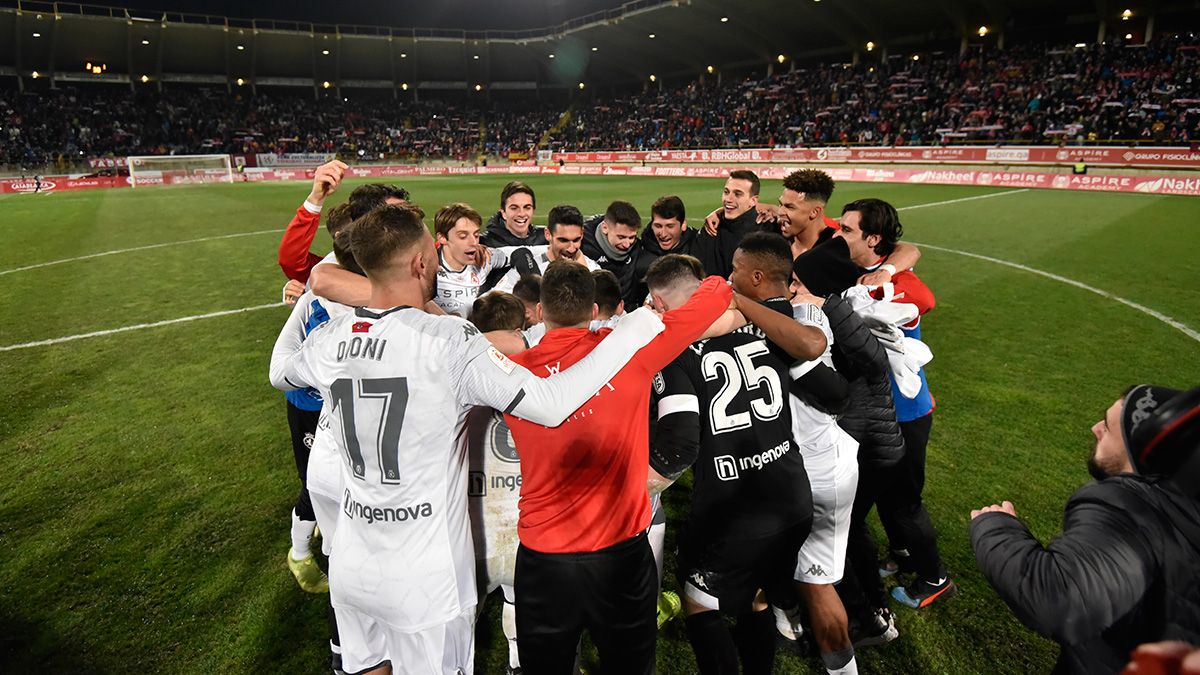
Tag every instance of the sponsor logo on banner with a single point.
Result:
(834, 154)
(30, 186)
(1174, 186)
(398, 171)
(678, 171)
(294, 159)
(951, 177)
(878, 175)
(616, 171)
(1007, 154)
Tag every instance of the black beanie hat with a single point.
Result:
(1161, 428)
(827, 268)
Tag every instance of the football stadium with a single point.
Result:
(557, 230)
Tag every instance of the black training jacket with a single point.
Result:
(497, 235)
(1124, 571)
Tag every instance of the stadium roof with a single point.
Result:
(519, 44)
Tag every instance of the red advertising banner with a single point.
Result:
(1157, 157)
(1152, 184)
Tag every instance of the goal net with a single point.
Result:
(179, 169)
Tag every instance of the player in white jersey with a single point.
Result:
(464, 263)
(564, 238)
(402, 572)
(495, 482)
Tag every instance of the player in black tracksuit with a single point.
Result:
(666, 211)
(619, 250)
(751, 502)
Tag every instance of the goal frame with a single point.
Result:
(134, 161)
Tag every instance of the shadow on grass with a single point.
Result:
(31, 647)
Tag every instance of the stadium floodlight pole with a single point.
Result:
(177, 169)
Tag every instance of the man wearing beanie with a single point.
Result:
(1126, 569)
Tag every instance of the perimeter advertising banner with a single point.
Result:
(1162, 184)
(1163, 157)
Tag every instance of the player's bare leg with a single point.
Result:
(830, 627)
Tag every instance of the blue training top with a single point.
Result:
(909, 409)
(310, 399)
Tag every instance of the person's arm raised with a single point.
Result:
(801, 342)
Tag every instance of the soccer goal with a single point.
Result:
(179, 169)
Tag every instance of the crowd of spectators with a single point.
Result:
(1030, 94)
(48, 127)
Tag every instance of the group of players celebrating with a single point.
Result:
(501, 407)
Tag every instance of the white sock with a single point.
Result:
(302, 531)
(848, 669)
(658, 539)
(788, 623)
(508, 622)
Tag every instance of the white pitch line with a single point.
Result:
(1174, 323)
(137, 248)
(1178, 325)
(1186, 330)
(963, 199)
(125, 329)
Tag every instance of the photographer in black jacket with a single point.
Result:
(1126, 569)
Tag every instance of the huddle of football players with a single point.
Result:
(501, 408)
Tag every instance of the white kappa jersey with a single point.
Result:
(495, 484)
(456, 290)
(397, 387)
(812, 428)
(540, 256)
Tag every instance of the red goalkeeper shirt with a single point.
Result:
(583, 483)
(295, 259)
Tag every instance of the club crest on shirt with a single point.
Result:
(503, 446)
(660, 385)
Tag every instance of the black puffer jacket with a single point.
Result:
(716, 253)
(870, 416)
(1125, 571)
(650, 251)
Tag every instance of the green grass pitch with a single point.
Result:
(148, 474)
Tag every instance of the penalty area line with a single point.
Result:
(140, 326)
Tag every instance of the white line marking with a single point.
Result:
(1178, 325)
(963, 199)
(136, 248)
(124, 329)
(1174, 323)
(1186, 330)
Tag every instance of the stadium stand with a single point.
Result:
(1030, 94)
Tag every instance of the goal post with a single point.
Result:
(178, 169)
